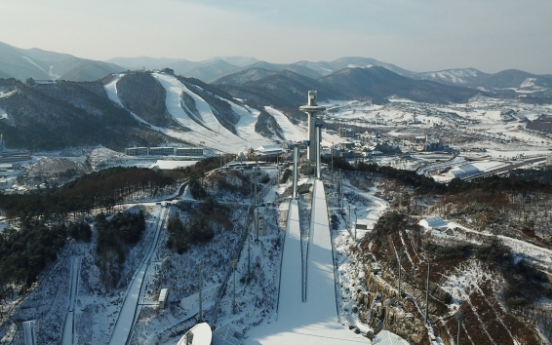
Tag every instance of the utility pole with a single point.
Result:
(278, 168)
(427, 293)
(200, 295)
(354, 209)
(349, 221)
(400, 275)
(331, 151)
(248, 255)
(295, 170)
(234, 263)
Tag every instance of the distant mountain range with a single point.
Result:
(514, 80)
(43, 65)
(68, 101)
(241, 75)
(216, 68)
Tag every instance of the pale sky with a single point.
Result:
(419, 35)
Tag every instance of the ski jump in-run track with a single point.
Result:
(29, 332)
(128, 314)
(69, 326)
(307, 312)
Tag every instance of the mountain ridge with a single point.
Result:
(39, 64)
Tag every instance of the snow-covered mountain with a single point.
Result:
(510, 82)
(134, 108)
(38, 64)
(456, 76)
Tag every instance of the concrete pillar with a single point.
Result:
(295, 170)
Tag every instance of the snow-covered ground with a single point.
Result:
(481, 116)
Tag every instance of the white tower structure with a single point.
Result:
(311, 109)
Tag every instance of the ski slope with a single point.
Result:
(209, 129)
(204, 128)
(174, 89)
(290, 130)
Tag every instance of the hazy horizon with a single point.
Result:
(425, 35)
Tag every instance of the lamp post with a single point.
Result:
(354, 209)
(427, 292)
(200, 295)
(349, 221)
(400, 274)
(234, 263)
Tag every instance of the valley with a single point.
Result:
(443, 175)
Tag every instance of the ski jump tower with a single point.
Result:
(311, 109)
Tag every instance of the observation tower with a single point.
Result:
(312, 109)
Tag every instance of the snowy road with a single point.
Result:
(127, 315)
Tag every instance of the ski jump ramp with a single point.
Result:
(314, 321)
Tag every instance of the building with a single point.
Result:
(549, 160)
(388, 148)
(268, 151)
(346, 132)
(189, 151)
(136, 151)
(163, 298)
(434, 222)
(161, 151)
(347, 144)
(428, 144)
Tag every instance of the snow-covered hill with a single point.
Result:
(457, 76)
(198, 120)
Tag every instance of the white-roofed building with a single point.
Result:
(465, 171)
(268, 150)
(434, 222)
